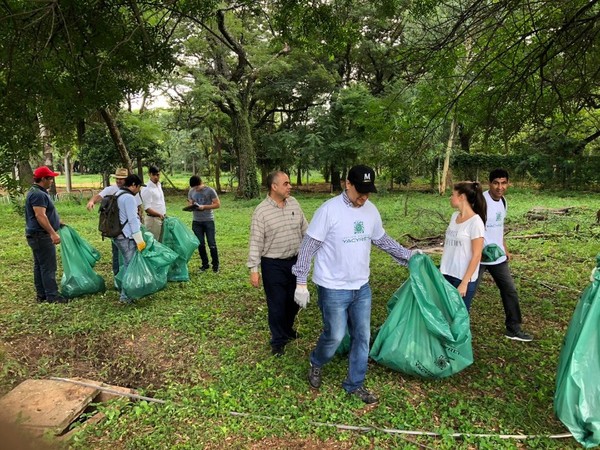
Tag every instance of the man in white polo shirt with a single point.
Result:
(497, 261)
(340, 237)
(154, 203)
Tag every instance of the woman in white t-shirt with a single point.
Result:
(464, 239)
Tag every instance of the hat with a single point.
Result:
(362, 178)
(121, 172)
(133, 179)
(44, 171)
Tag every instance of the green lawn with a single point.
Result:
(203, 345)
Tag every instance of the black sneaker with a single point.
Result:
(277, 350)
(40, 299)
(59, 299)
(204, 269)
(365, 395)
(519, 336)
(215, 269)
(314, 377)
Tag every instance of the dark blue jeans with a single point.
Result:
(280, 283)
(202, 230)
(44, 265)
(343, 308)
(471, 288)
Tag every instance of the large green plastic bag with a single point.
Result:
(184, 242)
(139, 280)
(577, 396)
(427, 332)
(159, 257)
(147, 270)
(78, 260)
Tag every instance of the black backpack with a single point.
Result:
(109, 224)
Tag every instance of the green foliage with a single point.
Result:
(202, 346)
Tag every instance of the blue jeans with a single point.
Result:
(471, 288)
(44, 265)
(127, 247)
(202, 229)
(341, 308)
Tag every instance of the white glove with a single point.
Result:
(301, 296)
(592, 279)
(139, 240)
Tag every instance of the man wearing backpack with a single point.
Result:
(41, 225)
(120, 175)
(498, 268)
(130, 240)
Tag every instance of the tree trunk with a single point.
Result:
(115, 134)
(446, 169)
(25, 173)
(140, 168)
(336, 185)
(68, 172)
(242, 140)
(299, 176)
(218, 162)
(45, 136)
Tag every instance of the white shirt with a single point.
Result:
(153, 197)
(113, 189)
(494, 227)
(458, 248)
(346, 232)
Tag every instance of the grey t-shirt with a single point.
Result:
(204, 196)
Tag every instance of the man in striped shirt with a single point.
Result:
(278, 225)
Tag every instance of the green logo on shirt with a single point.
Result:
(359, 227)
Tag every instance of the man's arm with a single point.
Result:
(95, 199)
(42, 219)
(257, 240)
(308, 249)
(400, 254)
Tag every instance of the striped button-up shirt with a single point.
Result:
(275, 232)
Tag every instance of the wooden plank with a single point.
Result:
(40, 405)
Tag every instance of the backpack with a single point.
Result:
(109, 224)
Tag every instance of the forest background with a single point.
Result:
(409, 87)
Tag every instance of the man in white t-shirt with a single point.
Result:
(498, 269)
(154, 203)
(339, 237)
(120, 175)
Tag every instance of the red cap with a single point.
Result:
(43, 171)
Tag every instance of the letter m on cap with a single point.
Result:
(367, 177)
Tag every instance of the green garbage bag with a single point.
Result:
(139, 279)
(577, 396)
(491, 253)
(147, 270)
(184, 242)
(159, 256)
(78, 260)
(427, 332)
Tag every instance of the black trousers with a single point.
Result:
(508, 292)
(280, 283)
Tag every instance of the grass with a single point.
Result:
(203, 345)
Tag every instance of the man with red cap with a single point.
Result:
(41, 225)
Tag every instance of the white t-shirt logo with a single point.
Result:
(359, 227)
